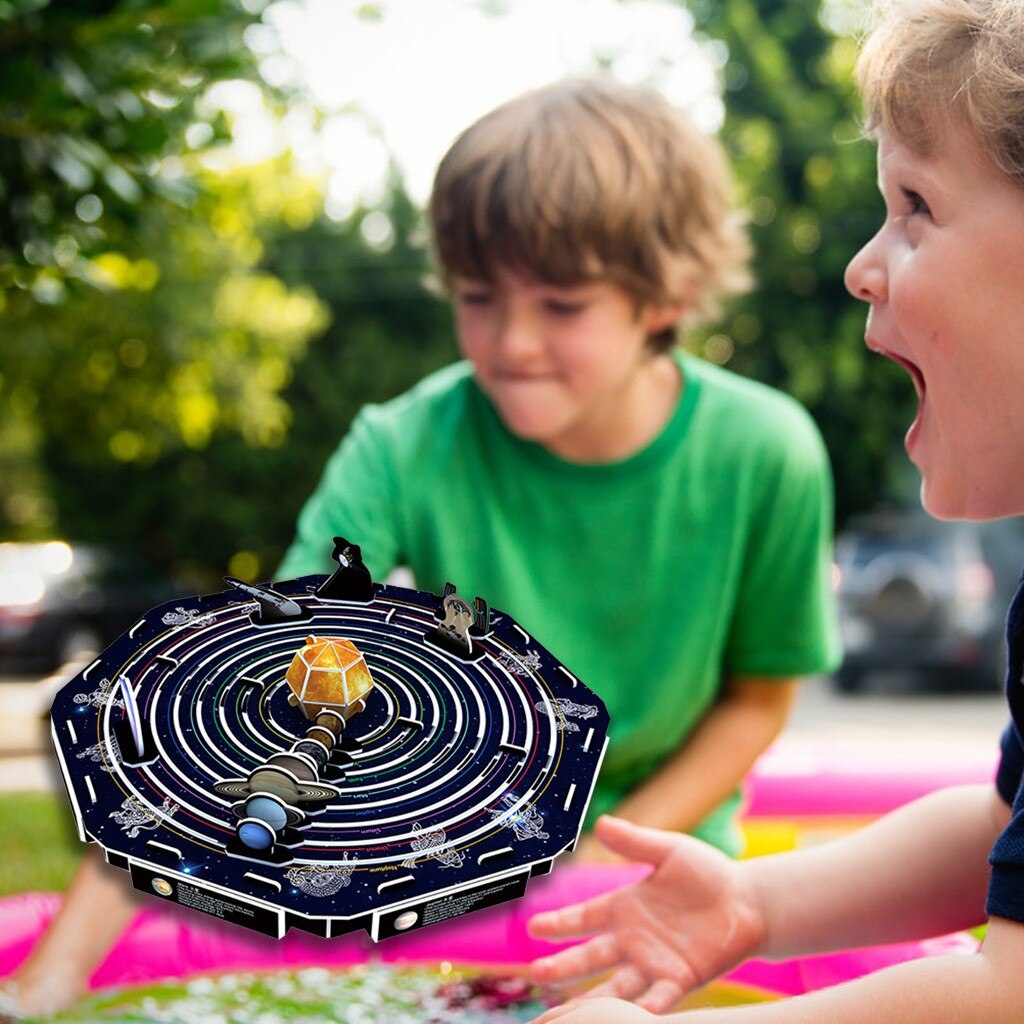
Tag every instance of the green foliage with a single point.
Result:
(166, 348)
(162, 354)
(230, 504)
(93, 96)
(807, 178)
(37, 835)
(138, 322)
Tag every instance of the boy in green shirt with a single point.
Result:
(660, 524)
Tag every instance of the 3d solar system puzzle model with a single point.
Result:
(329, 754)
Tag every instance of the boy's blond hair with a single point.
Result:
(586, 180)
(930, 62)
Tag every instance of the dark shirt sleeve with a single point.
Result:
(1011, 766)
(1006, 888)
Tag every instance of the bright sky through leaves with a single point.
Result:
(407, 81)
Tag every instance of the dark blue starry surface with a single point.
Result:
(461, 778)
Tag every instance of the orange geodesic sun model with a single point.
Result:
(328, 673)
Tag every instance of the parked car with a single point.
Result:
(60, 602)
(927, 597)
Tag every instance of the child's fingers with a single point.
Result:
(579, 962)
(635, 842)
(626, 983)
(661, 996)
(570, 922)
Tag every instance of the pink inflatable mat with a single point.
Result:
(165, 942)
(794, 780)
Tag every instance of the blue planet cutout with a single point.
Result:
(256, 835)
(267, 810)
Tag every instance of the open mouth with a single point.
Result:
(912, 440)
(915, 373)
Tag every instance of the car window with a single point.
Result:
(868, 548)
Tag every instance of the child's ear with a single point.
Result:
(660, 318)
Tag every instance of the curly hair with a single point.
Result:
(933, 62)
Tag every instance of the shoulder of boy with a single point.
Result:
(425, 406)
(434, 391)
(764, 418)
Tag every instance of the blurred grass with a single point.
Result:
(39, 849)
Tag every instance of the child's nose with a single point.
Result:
(517, 336)
(865, 276)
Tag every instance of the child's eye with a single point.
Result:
(914, 201)
(560, 307)
(475, 298)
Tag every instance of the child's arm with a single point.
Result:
(715, 758)
(920, 871)
(982, 989)
(713, 761)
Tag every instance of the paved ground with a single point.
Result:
(895, 713)
(26, 761)
(891, 731)
(890, 724)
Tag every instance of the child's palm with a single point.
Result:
(687, 922)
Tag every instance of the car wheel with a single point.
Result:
(849, 680)
(990, 680)
(78, 643)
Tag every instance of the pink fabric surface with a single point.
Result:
(23, 918)
(794, 977)
(788, 782)
(165, 942)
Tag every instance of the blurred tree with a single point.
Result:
(388, 330)
(229, 501)
(166, 349)
(167, 353)
(94, 95)
(137, 323)
(807, 179)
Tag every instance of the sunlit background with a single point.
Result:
(213, 251)
(399, 82)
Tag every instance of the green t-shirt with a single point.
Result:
(705, 553)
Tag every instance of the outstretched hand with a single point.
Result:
(694, 917)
